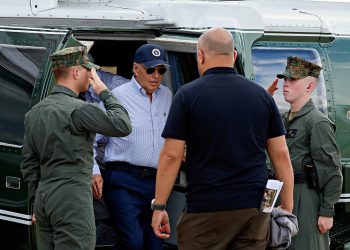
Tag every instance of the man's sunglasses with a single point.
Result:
(151, 70)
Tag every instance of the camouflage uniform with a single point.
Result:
(311, 139)
(57, 158)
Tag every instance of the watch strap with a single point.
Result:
(155, 206)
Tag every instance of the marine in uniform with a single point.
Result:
(58, 152)
(314, 154)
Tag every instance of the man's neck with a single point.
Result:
(68, 85)
(298, 105)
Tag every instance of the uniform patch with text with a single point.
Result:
(291, 133)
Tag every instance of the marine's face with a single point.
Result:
(84, 75)
(149, 78)
(293, 90)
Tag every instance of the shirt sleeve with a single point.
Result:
(96, 169)
(175, 126)
(100, 144)
(114, 122)
(326, 157)
(276, 127)
(30, 166)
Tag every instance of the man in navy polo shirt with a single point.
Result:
(227, 123)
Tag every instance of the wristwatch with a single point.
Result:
(155, 206)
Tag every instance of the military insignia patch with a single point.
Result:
(291, 133)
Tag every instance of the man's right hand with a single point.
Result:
(272, 87)
(160, 224)
(97, 184)
(324, 224)
(97, 85)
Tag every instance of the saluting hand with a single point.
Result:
(272, 87)
(96, 83)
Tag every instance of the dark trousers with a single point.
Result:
(128, 192)
(243, 229)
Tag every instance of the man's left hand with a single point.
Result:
(324, 224)
(97, 184)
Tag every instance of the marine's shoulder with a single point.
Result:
(317, 116)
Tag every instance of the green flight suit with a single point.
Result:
(57, 164)
(311, 139)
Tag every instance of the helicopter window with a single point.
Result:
(183, 68)
(268, 62)
(19, 69)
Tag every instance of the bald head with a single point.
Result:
(215, 49)
(216, 41)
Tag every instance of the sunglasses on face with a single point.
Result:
(151, 70)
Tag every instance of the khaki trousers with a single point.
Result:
(244, 229)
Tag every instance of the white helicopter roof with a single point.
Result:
(260, 15)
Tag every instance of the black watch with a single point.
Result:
(155, 206)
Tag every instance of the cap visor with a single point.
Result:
(281, 76)
(91, 65)
(154, 63)
(289, 75)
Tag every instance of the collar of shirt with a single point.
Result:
(138, 87)
(218, 70)
(64, 90)
(304, 110)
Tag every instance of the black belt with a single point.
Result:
(301, 178)
(144, 172)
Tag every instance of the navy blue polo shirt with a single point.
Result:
(225, 120)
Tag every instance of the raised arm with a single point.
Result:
(114, 121)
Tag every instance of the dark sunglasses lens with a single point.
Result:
(150, 70)
(162, 71)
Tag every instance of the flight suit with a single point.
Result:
(311, 140)
(57, 164)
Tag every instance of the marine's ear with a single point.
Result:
(75, 72)
(311, 84)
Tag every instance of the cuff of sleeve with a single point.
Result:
(104, 95)
(96, 170)
(327, 212)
